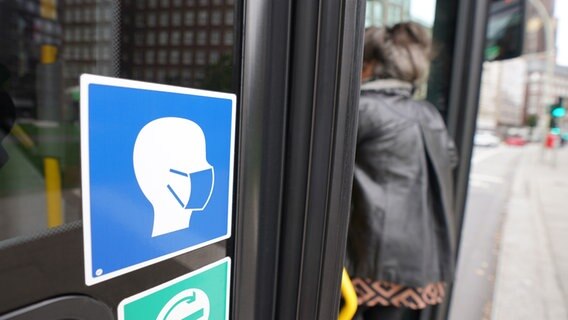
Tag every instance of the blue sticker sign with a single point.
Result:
(157, 172)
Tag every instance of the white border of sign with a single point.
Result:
(85, 81)
(120, 309)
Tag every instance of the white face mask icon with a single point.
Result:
(171, 168)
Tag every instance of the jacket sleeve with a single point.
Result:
(368, 119)
(446, 140)
(452, 152)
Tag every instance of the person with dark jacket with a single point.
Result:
(401, 240)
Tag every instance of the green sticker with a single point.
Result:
(200, 295)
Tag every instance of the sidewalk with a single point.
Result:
(532, 271)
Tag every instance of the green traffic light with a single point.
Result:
(558, 112)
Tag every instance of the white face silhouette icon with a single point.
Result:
(172, 170)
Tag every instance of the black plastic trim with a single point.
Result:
(260, 166)
(464, 94)
(60, 308)
(468, 57)
(333, 136)
(299, 94)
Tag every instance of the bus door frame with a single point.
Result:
(300, 77)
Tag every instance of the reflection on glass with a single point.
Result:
(374, 13)
(423, 12)
(46, 45)
(386, 12)
(389, 12)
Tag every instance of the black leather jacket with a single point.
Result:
(402, 220)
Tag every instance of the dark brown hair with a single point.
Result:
(400, 52)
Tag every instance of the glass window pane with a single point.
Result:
(139, 20)
(200, 57)
(189, 18)
(149, 74)
(149, 56)
(202, 38)
(394, 15)
(174, 57)
(199, 74)
(187, 57)
(176, 19)
(162, 57)
(213, 57)
(186, 75)
(164, 19)
(229, 18)
(215, 37)
(163, 38)
(216, 17)
(188, 38)
(151, 20)
(228, 38)
(202, 17)
(175, 38)
(374, 14)
(149, 40)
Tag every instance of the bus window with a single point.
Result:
(47, 45)
(505, 30)
(383, 12)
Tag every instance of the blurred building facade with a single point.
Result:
(535, 38)
(178, 42)
(502, 95)
(513, 92)
(26, 26)
(535, 84)
(386, 12)
(175, 41)
(90, 45)
(166, 41)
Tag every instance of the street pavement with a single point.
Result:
(489, 187)
(532, 272)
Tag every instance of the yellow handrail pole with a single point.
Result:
(22, 136)
(53, 192)
(349, 297)
(52, 170)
